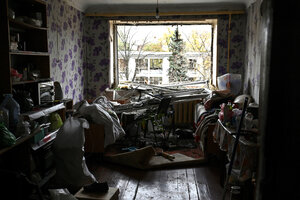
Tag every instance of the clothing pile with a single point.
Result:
(205, 119)
(101, 112)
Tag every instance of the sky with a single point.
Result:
(157, 31)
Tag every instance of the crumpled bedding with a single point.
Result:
(101, 112)
(201, 130)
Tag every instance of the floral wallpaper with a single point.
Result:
(97, 61)
(66, 48)
(237, 44)
(253, 55)
(79, 48)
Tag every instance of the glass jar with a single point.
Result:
(235, 192)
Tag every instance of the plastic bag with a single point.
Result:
(230, 81)
(6, 137)
(23, 128)
(68, 150)
(101, 115)
(56, 121)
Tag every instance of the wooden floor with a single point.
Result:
(194, 182)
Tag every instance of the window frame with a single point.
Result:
(213, 22)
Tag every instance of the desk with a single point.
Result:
(245, 162)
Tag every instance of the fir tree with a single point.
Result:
(178, 62)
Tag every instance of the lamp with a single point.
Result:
(157, 11)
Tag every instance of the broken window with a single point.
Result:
(169, 53)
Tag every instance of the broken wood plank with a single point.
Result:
(112, 194)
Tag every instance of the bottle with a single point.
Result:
(14, 110)
(20, 46)
(235, 192)
(229, 105)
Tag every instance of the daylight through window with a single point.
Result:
(164, 54)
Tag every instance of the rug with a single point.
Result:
(190, 152)
(186, 147)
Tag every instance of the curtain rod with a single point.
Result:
(234, 12)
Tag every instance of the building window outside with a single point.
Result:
(155, 80)
(141, 64)
(192, 64)
(143, 80)
(155, 64)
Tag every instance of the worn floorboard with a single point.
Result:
(199, 182)
(192, 184)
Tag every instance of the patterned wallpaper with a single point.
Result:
(79, 48)
(97, 61)
(237, 44)
(66, 48)
(97, 58)
(253, 49)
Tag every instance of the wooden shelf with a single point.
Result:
(32, 115)
(30, 81)
(29, 53)
(23, 82)
(47, 139)
(21, 140)
(37, 1)
(26, 25)
(35, 40)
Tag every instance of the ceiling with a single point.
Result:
(121, 6)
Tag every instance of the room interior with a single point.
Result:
(259, 32)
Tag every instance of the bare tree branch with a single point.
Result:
(127, 39)
(140, 50)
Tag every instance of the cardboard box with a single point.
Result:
(94, 138)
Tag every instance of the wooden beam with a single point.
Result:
(234, 12)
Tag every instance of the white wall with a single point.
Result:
(253, 51)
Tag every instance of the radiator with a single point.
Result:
(184, 113)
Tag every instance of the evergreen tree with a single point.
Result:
(178, 62)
